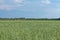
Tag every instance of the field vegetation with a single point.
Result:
(29, 30)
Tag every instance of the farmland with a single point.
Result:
(29, 30)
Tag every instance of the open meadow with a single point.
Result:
(29, 30)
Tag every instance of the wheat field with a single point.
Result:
(29, 30)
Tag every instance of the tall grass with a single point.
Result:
(29, 30)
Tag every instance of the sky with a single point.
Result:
(30, 8)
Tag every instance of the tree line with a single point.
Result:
(29, 19)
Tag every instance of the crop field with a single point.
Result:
(29, 30)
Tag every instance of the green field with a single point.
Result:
(29, 30)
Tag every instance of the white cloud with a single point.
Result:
(18, 1)
(12, 5)
(52, 10)
(45, 2)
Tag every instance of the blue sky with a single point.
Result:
(30, 8)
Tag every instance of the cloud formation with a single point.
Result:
(45, 2)
(18, 1)
(10, 4)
